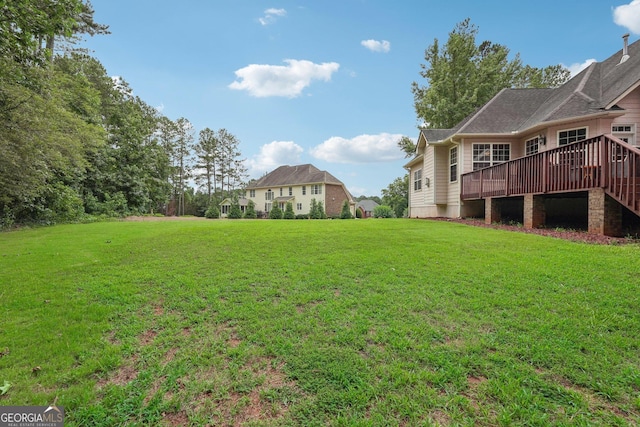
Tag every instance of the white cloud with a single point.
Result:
(272, 155)
(576, 68)
(377, 46)
(282, 80)
(628, 16)
(361, 149)
(270, 16)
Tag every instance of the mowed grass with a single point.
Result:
(313, 323)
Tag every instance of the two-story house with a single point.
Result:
(299, 185)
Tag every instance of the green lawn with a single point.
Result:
(362, 322)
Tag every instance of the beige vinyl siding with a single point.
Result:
(441, 189)
(298, 197)
(417, 198)
(429, 172)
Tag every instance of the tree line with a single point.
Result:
(74, 142)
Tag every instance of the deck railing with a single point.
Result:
(603, 161)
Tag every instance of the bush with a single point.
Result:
(383, 211)
(234, 211)
(346, 211)
(250, 213)
(212, 212)
(276, 212)
(288, 211)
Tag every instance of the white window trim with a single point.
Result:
(417, 180)
(457, 163)
(586, 134)
(631, 135)
(492, 161)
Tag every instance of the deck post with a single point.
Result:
(534, 211)
(605, 214)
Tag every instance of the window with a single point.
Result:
(291, 191)
(304, 190)
(268, 195)
(568, 136)
(252, 193)
(281, 192)
(453, 164)
(531, 146)
(485, 155)
(299, 206)
(316, 189)
(625, 133)
(417, 180)
(267, 207)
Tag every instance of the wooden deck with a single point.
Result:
(601, 162)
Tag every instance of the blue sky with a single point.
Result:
(327, 82)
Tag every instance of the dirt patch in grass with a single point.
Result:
(126, 373)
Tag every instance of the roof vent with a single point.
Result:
(625, 49)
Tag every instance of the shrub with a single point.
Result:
(251, 210)
(212, 212)
(383, 211)
(234, 211)
(288, 211)
(346, 211)
(276, 212)
(317, 210)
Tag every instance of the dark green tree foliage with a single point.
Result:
(212, 212)
(288, 211)
(317, 210)
(275, 212)
(463, 75)
(250, 211)
(234, 211)
(346, 211)
(396, 195)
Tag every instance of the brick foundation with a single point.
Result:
(492, 210)
(605, 214)
(534, 211)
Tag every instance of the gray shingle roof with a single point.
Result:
(516, 110)
(367, 205)
(295, 175)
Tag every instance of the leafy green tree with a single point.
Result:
(288, 211)
(275, 212)
(396, 195)
(407, 145)
(463, 75)
(42, 146)
(250, 212)
(346, 211)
